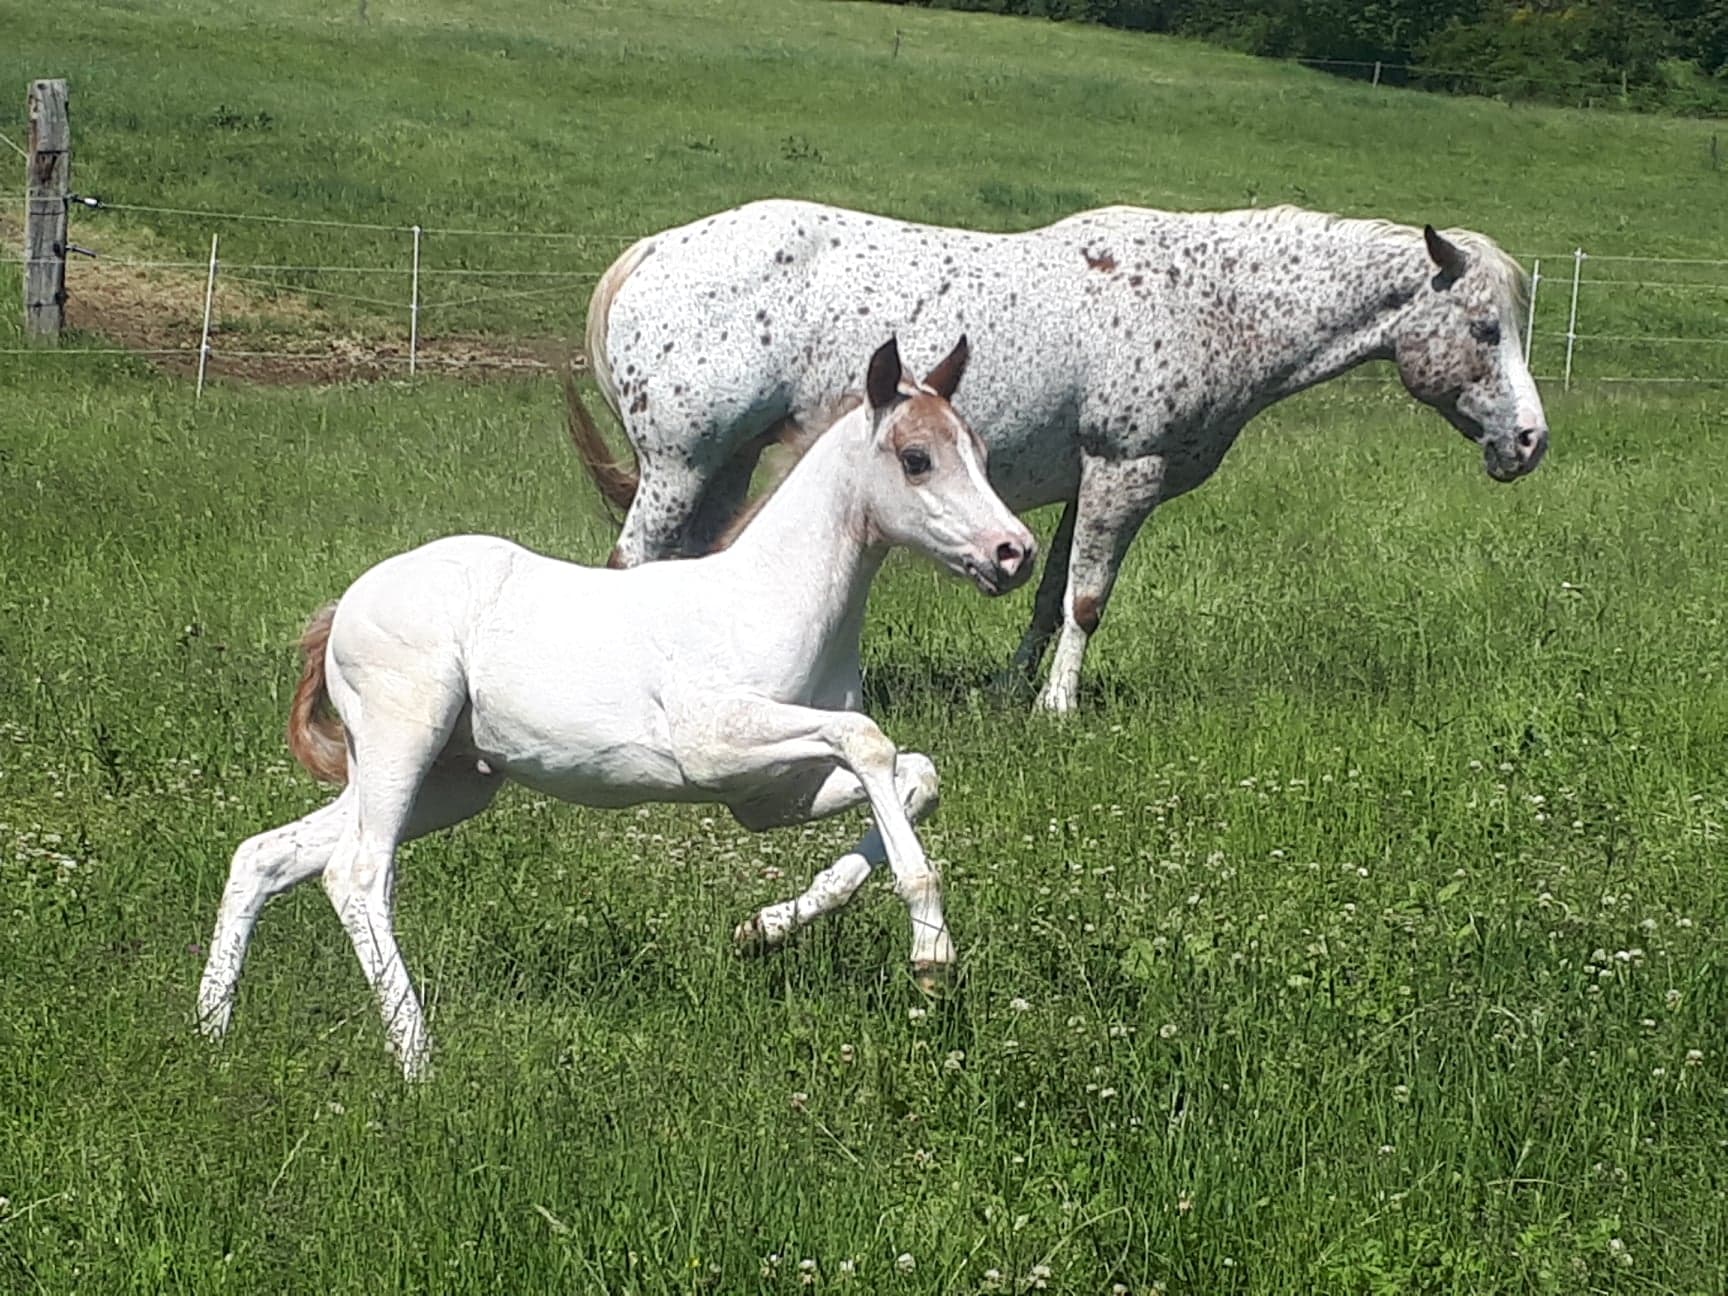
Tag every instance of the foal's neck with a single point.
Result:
(811, 543)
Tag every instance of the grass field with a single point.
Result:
(1362, 935)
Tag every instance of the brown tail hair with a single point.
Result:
(615, 481)
(314, 732)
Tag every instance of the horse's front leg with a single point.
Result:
(1047, 607)
(1116, 497)
(740, 747)
(768, 928)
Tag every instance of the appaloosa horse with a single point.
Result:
(733, 678)
(1121, 351)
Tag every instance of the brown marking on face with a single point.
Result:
(615, 559)
(1103, 262)
(1086, 614)
(924, 420)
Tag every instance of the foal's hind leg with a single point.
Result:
(916, 782)
(399, 796)
(264, 866)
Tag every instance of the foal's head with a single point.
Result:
(1457, 349)
(924, 484)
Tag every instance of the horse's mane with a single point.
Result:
(1511, 283)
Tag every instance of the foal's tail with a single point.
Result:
(314, 732)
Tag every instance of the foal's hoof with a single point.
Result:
(934, 980)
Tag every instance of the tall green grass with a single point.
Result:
(1357, 937)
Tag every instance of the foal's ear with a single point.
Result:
(882, 382)
(945, 377)
(1447, 255)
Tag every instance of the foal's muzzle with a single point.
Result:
(1004, 564)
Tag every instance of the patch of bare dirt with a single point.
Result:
(274, 336)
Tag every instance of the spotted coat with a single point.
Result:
(1116, 354)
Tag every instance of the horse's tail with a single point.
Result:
(600, 309)
(615, 481)
(314, 732)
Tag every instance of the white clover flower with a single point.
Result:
(1694, 1058)
(1167, 1031)
(905, 1263)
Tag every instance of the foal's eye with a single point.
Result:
(1487, 332)
(915, 460)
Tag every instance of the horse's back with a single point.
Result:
(767, 311)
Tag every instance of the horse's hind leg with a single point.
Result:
(914, 779)
(264, 866)
(667, 498)
(723, 500)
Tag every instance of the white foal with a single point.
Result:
(732, 678)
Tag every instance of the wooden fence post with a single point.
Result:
(47, 183)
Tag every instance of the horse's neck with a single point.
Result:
(811, 543)
(1334, 312)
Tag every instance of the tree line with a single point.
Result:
(1666, 55)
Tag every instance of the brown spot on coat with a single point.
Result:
(1086, 614)
(1103, 262)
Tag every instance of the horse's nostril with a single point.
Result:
(1008, 554)
(1527, 439)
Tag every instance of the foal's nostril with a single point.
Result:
(1008, 556)
(1526, 438)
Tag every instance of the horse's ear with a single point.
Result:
(882, 382)
(945, 377)
(1446, 254)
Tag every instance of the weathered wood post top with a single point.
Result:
(47, 183)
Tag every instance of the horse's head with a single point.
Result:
(1456, 345)
(926, 483)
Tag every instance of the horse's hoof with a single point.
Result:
(1055, 702)
(934, 980)
(751, 939)
(1011, 685)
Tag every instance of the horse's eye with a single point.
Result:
(1487, 332)
(915, 460)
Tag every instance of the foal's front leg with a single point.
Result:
(769, 928)
(737, 747)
